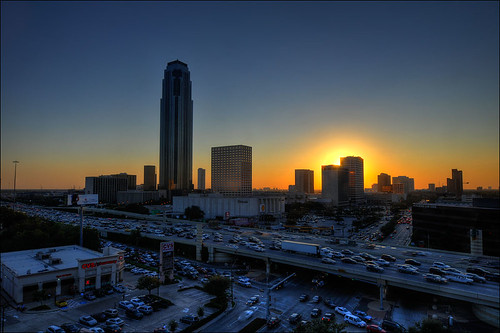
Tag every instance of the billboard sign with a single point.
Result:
(83, 199)
(166, 260)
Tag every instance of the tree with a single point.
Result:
(429, 326)
(40, 295)
(194, 213)
(173, 325)
(148, 282)
(201, 311)
(217, 286)
(320, 326)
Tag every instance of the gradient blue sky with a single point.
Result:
(410, 87)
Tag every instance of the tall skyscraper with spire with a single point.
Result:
(176, 131)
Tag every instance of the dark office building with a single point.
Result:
(455, 184)
(452, 226)
(176, 131)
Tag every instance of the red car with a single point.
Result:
(375, 328)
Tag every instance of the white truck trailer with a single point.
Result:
(300, 247)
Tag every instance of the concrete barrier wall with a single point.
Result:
(487, 314)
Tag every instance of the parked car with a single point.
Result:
(303, 298)
(55, 329)
(392, 326)
(327, 316)
(329, 303)
(146, 309)
(363, 315)
(61, 303)
(96, 330)
(136, 301)
(375, 329)
(115, 321)
(100, 316)
(89, 296)
(119, 288)
(354, 320)
(70, 328)
(111, 313)
(134, 314)
(294, 318)
(341, 310)
(88, 320)
(189, 319)
(315, 313)
(113, 328)
(126, 305)
(316, 299)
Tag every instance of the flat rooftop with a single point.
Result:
(22, 262)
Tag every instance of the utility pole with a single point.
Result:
(15, 175)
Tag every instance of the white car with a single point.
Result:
(115, 321)
(440, 265)
(97, 330)
(88, 320)
(382, 262)
(341, 310)
(246, 315)
(328, 261)
(459, 278)
(136, 301)
(354, 320)
(125, 305)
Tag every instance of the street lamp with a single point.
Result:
(15, 174)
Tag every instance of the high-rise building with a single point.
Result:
(408, 184)
(432, 187)
(106, 187)
(335, 184)
(176, 130)
(455, 184)
(356, 177)
(232, 170)
(304, 181)
(384, 182)
(201, 179)
(149, 178)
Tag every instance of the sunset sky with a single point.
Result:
(412, 88)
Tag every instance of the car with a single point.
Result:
(315, 313)
(341, 310)
(303, 298)
(435, 278)
(475, 277)
(440, 265)
(375, 329)
(316, 299)
(88, 320)
(100, 316)
(253, 300)
(459, 278)
(374, 268)
(354, 320)
(437, 271)
(89, 296)
(126, 305)
(161, 330)
(246, 315)
(347, 252)
(453, 270)
(70, 328)
(245, 284)
(134, 314)
(145, 309)
(358, 259)
(111, 313)
(189, 319)
(136, 301)
(329, 303)
(119, 288)
(361, 314)
(294, 318)
(115, 321)
(96, 330)
(327, 316)
(61, 303)
(55, 329)
(273, 322)
(367, 256)
(477, 270)
(112, 329)
(408, 269)
(392, 326)
(382, 262)
(412, 262)
(337, 254)
(388, 257)
(348, 260)
(328, 261)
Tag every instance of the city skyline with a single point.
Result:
(410, 88)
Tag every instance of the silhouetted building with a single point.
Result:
(456, 227)
(107, 186)
(455, 184)
(131, 180)
(149, 178)
(384, 182)
(201, 179)
(408, 183)
(356, 177)
(232, 170)
(176, 130)
(432, 187)
(335, 184)
(304, 180)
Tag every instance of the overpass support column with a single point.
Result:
(382, 285)
(211, 254)
(268, 266)
(199, 241)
